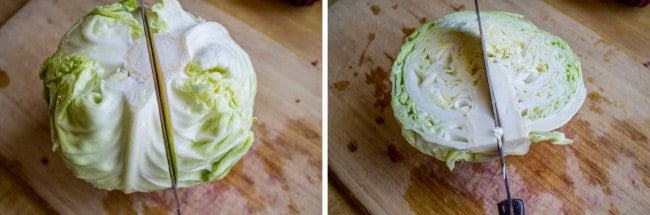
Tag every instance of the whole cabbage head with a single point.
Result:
(441, 97)
(103, 110)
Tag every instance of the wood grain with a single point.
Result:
(623, 26)
(18, 197)
(8, 8)
(606, 169)
(337, 204)
(340, 199)
(297, 28)
(265, 181)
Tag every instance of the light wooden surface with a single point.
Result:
(280, 175)
(606, 170)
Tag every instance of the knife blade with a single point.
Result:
(163, 105)
(508, 206)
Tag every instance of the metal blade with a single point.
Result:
(163, 106)
(497, 123)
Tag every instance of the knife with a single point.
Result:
(509, 206)
(163, 106)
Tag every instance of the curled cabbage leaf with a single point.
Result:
(441, 98)
(103, 110)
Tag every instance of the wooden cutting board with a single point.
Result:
(605, 170)
(280, 175)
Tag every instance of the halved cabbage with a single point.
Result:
(103, 110)
(441, 97)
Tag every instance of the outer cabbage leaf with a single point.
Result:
(440, 94)
(103, 110)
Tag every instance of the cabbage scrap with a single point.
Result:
(440, 94)
(103, 110)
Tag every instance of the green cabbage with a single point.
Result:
(102, 105)
(440, 94)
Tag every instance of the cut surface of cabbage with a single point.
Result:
(441, 98)
(103, 109)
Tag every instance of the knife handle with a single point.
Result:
(517, 207)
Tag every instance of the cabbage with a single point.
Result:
(103, 110)
(440, 94)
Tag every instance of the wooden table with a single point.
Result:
(606, 169)
(280, 175)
